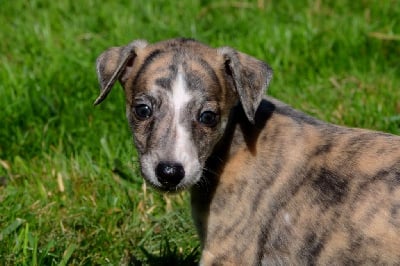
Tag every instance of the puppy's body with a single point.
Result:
(293, 190)
(269, 185)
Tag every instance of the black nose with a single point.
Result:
(169, 173)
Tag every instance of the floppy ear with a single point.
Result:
(112, 63)
(250, 78)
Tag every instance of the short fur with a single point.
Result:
(270, 185)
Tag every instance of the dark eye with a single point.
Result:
(143, 111)
(208, 118)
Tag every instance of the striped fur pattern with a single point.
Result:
(269, 185)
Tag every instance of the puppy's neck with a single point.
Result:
(239, 134)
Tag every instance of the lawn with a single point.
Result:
(70, 187)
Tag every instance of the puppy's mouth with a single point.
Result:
(167, 188)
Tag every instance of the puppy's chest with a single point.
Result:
(244, 223)
(265, 217)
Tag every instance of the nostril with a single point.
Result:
(170, 173)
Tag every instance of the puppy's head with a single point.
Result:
(179, 94)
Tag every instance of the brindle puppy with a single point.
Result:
(269, 184)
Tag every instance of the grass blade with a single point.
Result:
(11, 228)
(67, 254)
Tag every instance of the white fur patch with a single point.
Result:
(180, 95)
(286, 217)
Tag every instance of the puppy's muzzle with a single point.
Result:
(170, 174)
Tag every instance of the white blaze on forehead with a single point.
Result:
(180, 95)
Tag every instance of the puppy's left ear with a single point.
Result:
(250, 77)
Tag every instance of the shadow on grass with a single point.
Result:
(167, 256)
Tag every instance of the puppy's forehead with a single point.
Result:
(183, 46)
(159, 65)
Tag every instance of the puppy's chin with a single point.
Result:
(167, 189)
(184, 185)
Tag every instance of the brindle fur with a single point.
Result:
(279, 187)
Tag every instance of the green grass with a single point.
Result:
(71, 192)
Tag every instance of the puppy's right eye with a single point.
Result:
(143, 111)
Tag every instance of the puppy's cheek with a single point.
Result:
(142, 138)
(206, 148)
(207, 138)
(213, 138)
(140, 143)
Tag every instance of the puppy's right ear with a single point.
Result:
(112, 64)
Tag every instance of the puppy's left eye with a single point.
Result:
(208, 118)
(143, 111)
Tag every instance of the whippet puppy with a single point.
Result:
(269, 184)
